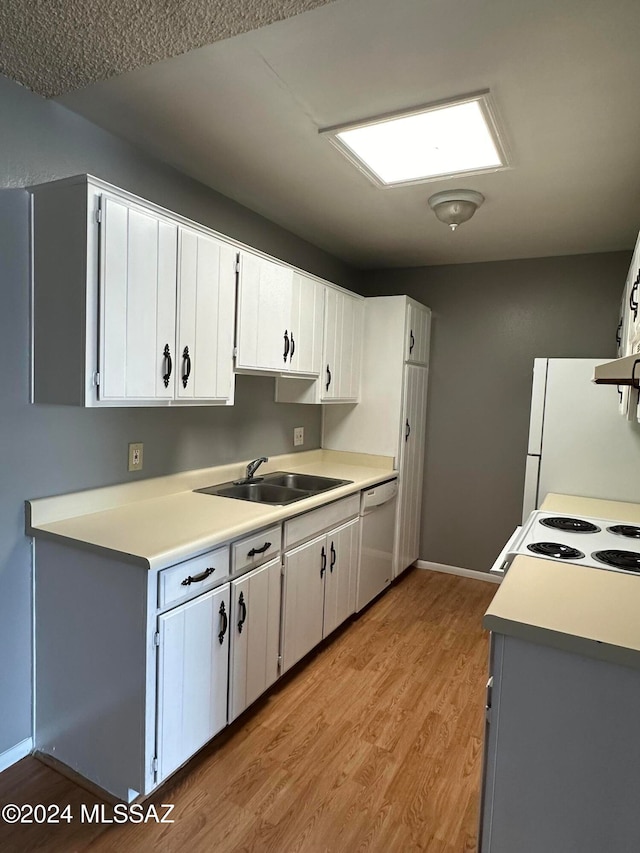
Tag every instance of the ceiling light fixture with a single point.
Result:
(453, 207)
(440, 140)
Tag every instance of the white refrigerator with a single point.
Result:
(579, 444)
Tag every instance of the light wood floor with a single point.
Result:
(372, 744)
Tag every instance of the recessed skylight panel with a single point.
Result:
(451, 139)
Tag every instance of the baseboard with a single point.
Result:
(20, 750)
(456, 570)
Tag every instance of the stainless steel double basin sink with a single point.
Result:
(279, 488)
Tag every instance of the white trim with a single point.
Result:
(456, 570)
(20, 750)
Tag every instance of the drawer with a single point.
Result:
(318, 520)
(188, 579)
(255, 549)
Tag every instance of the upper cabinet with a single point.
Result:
(279, 319)
(339, 380)
(417, 333)
(130, 306)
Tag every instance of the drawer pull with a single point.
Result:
(225, 622)
(197, 578)
(242, 603)
(255, 551)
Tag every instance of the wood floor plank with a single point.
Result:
(373, 744)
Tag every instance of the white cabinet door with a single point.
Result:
(264, 314)
(303, 599)
(306, 327)
(138, 254)
(206, 314)
(417, 333)
(341, 575)
(340, 378)
(193, 667)
(412, 441)
(255, 635)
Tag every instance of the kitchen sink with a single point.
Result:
(279, 488)
(308, 482)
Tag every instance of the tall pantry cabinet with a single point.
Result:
(390, 419)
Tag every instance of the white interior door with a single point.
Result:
(206, 315)
(192, 677)
(138, 253)
(255, 635)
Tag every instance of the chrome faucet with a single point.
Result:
(252, 467)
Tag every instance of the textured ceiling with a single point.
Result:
(56, 46)
(563, 75)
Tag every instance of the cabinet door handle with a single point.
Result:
(197, 578)
(224, 621)
(293, 348)
(333, 558)
(286, 345)
(407, 431)
(169, 364)
(618, 333)
(186, 372)
(413, 341)
(243, 618)
(255, 551)
(323, 562)
(619, 392)
(326, 387)
(632, 302)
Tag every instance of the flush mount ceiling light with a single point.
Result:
(453, 207)
(456, 137)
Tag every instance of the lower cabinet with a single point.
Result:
(193, 668)
(319, 590)
(255, 635)
(190, 646)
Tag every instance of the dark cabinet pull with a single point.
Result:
(167, 357)
(326, 387)
(186, 373)
(333, 558)
(286, 345)
(243, 617)
(413, 341)
(293, 348)
(618, 333)
(632, 302)
(225, 622)
(619, 392)
(197, 578)
(323, 564)
(255, 551)
(407, 431)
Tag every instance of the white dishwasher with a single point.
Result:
(377, 533)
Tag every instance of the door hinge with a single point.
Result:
(237, 266)
(235, 352)
(279, 662)
(156, 638)
(154, 768)
(96, 378)
(98, 215)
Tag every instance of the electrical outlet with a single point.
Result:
(298, 436)
(135, 457)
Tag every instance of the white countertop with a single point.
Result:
(593, 507)
(593, 612)
(161, 521)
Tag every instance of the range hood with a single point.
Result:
(620, 371)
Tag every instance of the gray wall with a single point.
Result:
(48, 450)
(490, 321)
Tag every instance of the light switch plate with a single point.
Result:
(135, 456)
(298, 436)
